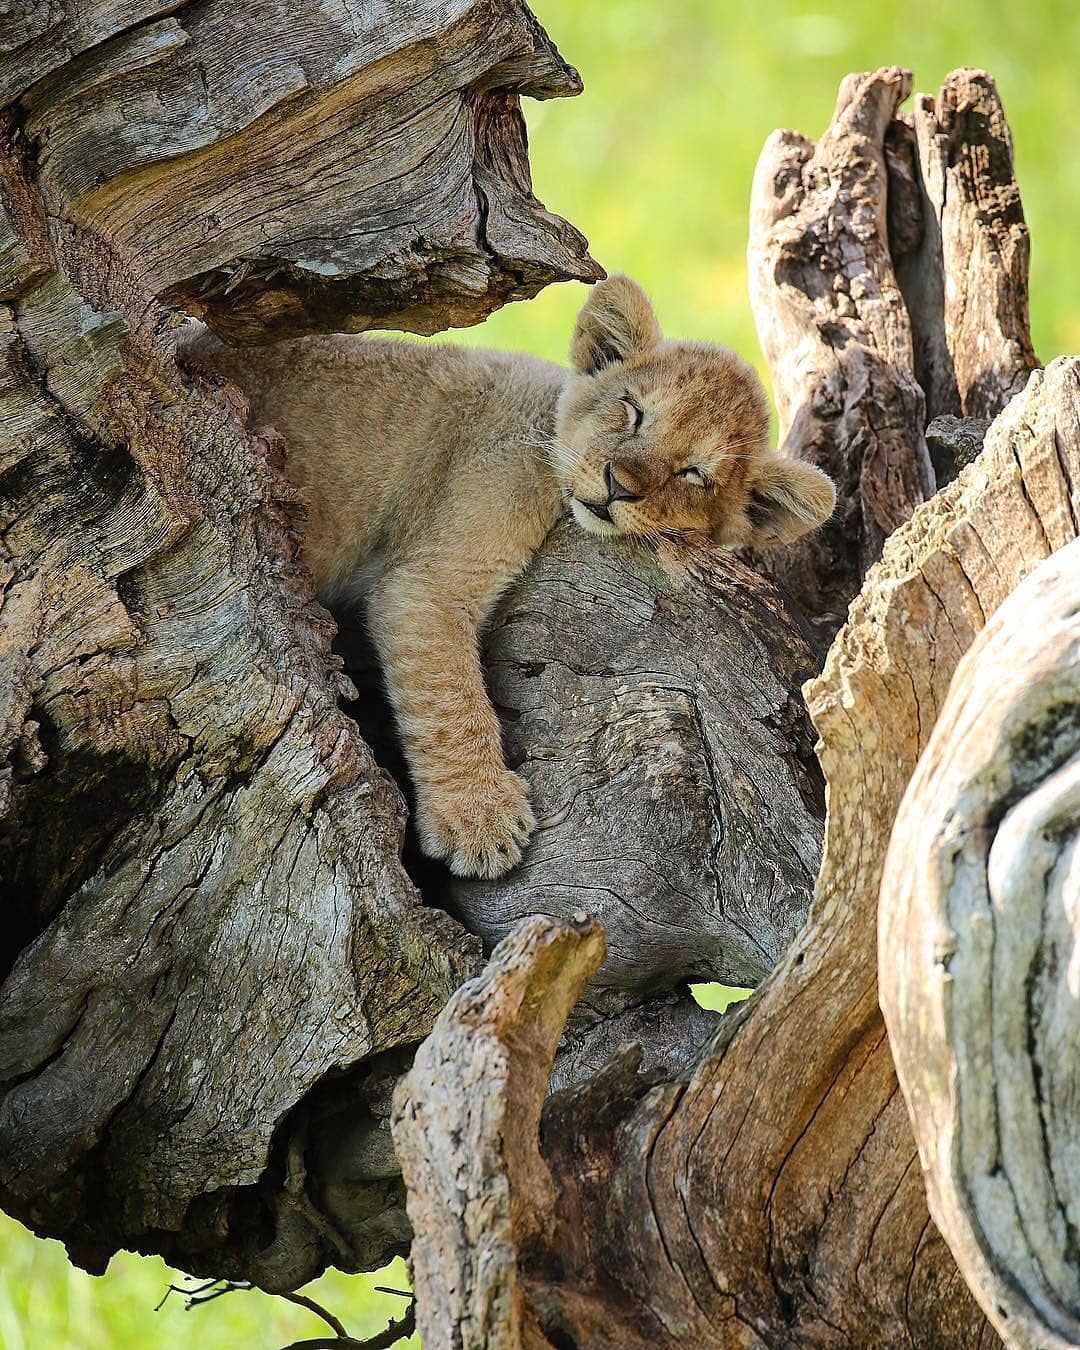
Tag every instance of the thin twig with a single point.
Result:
(172, 1289)
(204, 1293)
(328, 1343)
(383, 1340)
(197, 1299)
(331, 1321)
(341, 1340)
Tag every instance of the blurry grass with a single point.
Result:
(47, 1304)
(654, 163)
(718, 997)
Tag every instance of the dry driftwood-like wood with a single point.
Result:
(477, 1204)
(814, 1228)
(978, 936)
(886, 204)
(215, 967)
(280, 169)
(655, 712)
(837, 338)
(772, 1195)
(174, 762)
(213, 962)
(966, 282)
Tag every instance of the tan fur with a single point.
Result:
(432, 474)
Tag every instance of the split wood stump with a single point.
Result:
(217, 971)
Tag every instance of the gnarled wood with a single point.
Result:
(815, 1228)
(466, 1129)
(818, 1157)
(966, 287)
(837, 338)
(978, 941)
(199, 855)
(170, 777)
(212, 953)
(772, 1195)
(280, 169)
(652, 704)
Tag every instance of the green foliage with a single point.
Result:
(46, 1304)
(654, 163)
(718, 997)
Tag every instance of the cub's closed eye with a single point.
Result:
(692, 475)
(638, 412)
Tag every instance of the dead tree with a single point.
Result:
(216, 966)
(771, 1194)
(199, 858)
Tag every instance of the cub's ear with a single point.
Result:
(787, 499)
(616, 323)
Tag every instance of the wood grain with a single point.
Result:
(199, 857)
(978, 938)
(654, 710)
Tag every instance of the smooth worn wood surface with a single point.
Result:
(978, 944)
(466, 1129)
(654, 707)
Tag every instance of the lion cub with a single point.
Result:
(432, 473)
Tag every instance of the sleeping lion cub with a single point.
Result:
(432, 473)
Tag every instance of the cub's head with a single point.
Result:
(658, 438)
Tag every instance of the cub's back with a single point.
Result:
(381, 433)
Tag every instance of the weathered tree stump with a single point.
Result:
(837, 338)
(199, 859)
(649, 1234)
(771, 1194)
(216, 968)
(979, 969)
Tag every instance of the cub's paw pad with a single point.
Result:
(481, 833)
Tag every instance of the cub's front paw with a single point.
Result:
(480, 832)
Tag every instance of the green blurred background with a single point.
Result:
(654, 164)
(654, 161)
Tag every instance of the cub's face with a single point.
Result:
(658, 438)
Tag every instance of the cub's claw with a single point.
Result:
(481, 832)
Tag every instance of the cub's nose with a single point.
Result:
(618, 492)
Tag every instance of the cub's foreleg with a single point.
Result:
(470, 808)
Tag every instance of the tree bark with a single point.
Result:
(979, 918)
(771, 1195)
(402, 198)
(653, 704)
(207, 918)
(814, 1229)
(504, 1027)
(217, 968)
(838, 339)
(965, 282)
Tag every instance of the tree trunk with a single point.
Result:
(623, 677)
(771, 1194)
(217, 967)
(207, 918)
(979, 919)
